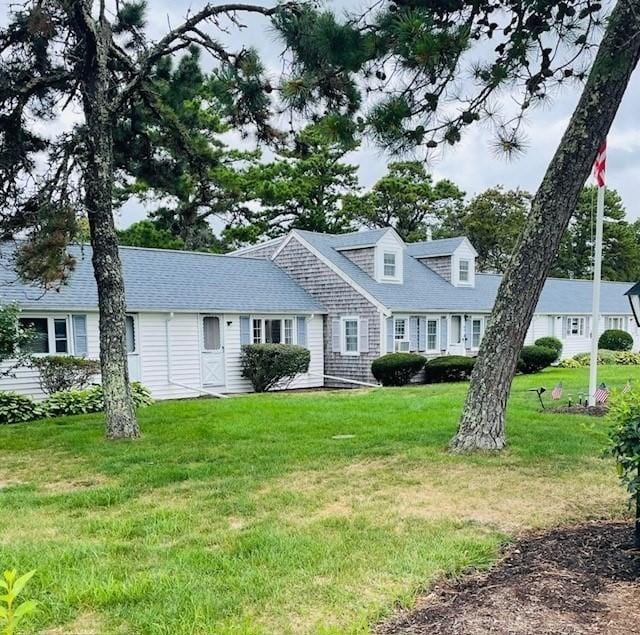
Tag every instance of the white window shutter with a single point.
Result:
(390, 335)
(301, 322)
(245, 330)
(335, 336)
(80, 334)
(413, 333)
(363, 333)
(422, 334)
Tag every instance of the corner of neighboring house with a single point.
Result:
(353, 325)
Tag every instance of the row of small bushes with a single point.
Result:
(16, 408)
(605, 358)
(398, 369)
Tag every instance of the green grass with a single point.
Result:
(245, 516)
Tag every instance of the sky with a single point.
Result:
(472, 164)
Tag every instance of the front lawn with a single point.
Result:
(285, 513)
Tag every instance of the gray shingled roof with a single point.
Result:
(159, 280)
(424, 290)
(429, 248)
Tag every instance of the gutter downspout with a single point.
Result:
(199, 390)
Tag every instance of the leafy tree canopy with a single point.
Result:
(303, 188)
(146, 233)
(492, 221)
(407, 199)
(620, 244)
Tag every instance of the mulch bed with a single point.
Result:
(569, 581)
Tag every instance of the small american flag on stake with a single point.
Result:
(627, 387)
(600, 165)
(556, 393)
(601, 394)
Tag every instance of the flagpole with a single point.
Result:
(597, 275)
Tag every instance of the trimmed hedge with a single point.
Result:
(270, 365)
(535, 358)
(448, 368)
(550, 342)
(397, 369)
(615, 340)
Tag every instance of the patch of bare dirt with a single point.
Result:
(569, 581)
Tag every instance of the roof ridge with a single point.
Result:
(499, 275)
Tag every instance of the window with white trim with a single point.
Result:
(575, 327)
(50, 334)
(272, 331)
(350, 336)
(432, 335)
(389, 264)
(616, 322)
(476, 332)
(464, 269)
(288, 331)
(401, 335)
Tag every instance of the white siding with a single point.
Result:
(390, 243)
(234, 380)
(184, 348)
(24, 380)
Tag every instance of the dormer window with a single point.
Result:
(389, 264)
(463, 271)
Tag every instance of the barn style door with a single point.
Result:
(212, 351)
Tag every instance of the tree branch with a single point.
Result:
(182, 36)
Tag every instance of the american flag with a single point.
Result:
(556, 393)
(627, 387)
(600, 164)
(601, 394)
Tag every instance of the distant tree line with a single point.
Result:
(311, 185)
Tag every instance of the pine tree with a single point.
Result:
(77, 54)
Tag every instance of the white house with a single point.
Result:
(188, 314)
(349, 298)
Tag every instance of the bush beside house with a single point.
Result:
(448, 368)
(615, 340)
(15, 408)
(550, 342)
(397, 369)
(269, 365)
(605, 358)
(535, 358)
(64, 372)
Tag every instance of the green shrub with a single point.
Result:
(64, 372)
(535, 358)
(15, 408)
(624, 414)
(615, 340)
(550, 342)
(397, 369)
(77, 402)
(448, 368)
(570, 362)
(605, 358)
(269, 365)
(627, 358)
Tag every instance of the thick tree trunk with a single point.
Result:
(120, 418)
(482, 426)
